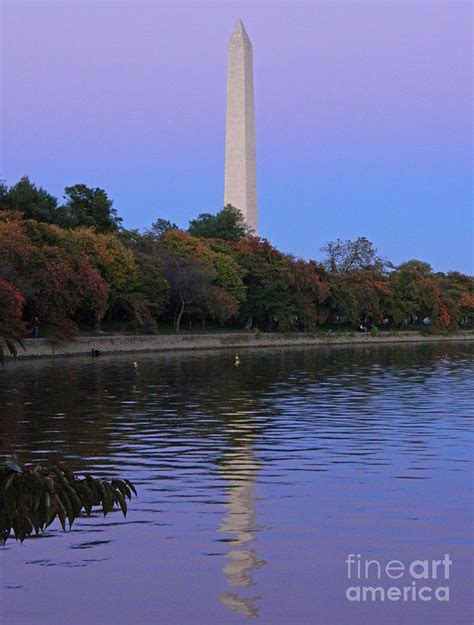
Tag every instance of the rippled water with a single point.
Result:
(255, 483)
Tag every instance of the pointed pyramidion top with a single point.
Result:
(239, 27)
(240, 32)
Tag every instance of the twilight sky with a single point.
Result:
(363, 115)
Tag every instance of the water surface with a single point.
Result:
(255, 483)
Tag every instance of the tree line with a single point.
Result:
(73, 266)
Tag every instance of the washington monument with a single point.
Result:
(240, 179)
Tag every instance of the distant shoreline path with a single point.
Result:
(116, 344)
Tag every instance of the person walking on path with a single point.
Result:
(36, 326)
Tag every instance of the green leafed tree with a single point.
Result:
(32, 201)
(268, 305)
(228, 224)
(91, 208)
(160, 226)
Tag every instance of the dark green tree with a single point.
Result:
(34, 202)
(268, 305)
(160, 226)
(3, 195)
(228, 224)
(91, 208)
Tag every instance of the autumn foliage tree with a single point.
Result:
(55, 283)
(12, 327)
(282, 293)
(205, 281)
(138, 291)
(73, 264)
(418, 295)
(360, 297)
(459, 288)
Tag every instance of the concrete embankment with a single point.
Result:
(42, 348)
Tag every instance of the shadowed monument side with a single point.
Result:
(240, 179)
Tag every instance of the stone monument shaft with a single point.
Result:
(240, 179)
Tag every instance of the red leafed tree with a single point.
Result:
(308, 293)
(65, 285)
(58, 281)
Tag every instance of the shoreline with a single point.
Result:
(116, 344)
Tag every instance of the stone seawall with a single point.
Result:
(41, 348)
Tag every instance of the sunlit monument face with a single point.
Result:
(240, 187)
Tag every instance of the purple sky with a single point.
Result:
(363, 115)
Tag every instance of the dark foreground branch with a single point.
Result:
(32, 497)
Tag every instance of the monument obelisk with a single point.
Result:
(240, 179)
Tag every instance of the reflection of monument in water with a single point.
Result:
(240, 467)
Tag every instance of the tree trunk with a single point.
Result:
(98, 323)
(180, 314)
